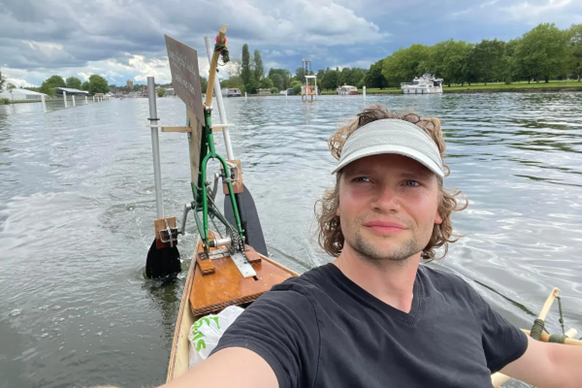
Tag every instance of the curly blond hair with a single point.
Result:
(330, 235)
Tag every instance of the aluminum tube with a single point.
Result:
(155, 146)
(221, 112)
(43, 103)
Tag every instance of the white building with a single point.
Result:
(21, 94)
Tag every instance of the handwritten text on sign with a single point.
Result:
(185, 75)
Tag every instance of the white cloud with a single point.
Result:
(488, 3)
(530, 11)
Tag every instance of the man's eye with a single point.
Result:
(412, 183)
(361, 179)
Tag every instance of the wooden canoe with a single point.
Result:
(212, 285)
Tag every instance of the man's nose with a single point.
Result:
(387, 198)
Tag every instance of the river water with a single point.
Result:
(77, 206)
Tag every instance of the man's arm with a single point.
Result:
(547, 365)
(230, 367)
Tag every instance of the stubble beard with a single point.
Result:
(378, 256)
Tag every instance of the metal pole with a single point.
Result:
(155, 145)
(364, 88)
(93, 99)
(73, 97)
(218, 93)
(43, 103)
(86, 100)
(65, 98)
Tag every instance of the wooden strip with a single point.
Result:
(555, 292)
(546, 337)
(160, 224)
(179, 356)
(177, 129)
(237, 186)
(205, 264)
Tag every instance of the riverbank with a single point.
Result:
(495, 87)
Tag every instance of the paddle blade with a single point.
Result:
(249, 218)
(163, 262)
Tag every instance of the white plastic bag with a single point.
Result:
(206, 332)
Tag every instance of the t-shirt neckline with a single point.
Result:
(408, 318)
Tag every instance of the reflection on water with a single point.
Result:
(77, 205)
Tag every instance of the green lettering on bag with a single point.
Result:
(217, 324)
(200, 345)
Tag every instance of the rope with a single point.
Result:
(223, 52)
(559, 339)
(561, 314)
(537, 329)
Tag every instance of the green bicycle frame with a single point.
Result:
(200, 193)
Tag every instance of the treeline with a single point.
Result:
(95, 84)
(248, 75)
(543, 53)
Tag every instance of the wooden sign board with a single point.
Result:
(185, 75)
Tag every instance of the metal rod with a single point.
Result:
(65, 98)
(218, 94)
(43, 103)
(73, 97)
(187, 208)
(155, 146)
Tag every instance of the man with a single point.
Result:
(374, 317)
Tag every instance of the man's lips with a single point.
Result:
(385, 227)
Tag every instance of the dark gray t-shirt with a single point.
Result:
(323, 330)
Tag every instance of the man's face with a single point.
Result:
(388, 207)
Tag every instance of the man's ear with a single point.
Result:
(438, 219)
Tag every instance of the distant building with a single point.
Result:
(129, 84)
(21, 94)
(264, 92)
(70, 92)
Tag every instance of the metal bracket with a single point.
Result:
(243, 265)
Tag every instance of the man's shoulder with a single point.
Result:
(308, 282)
(444, 281)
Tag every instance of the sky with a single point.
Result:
(124, 39)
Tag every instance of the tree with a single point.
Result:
(258, 66)
(300, 74)
(73, 82)
(575, 50)
(542, 52)
(374, 77)
(296, 86)
(485, 61)
(278, 81)
(357, 77)
(330, 80)
(10, 86)
(252, 85)
(48, 85)
(449, 60)
(161, 92)
(233, 82)
(405, 64)
(284, 74)
(266, 83)
(203, 84)
(85, 86)
(98, 84)
(246, 65)
(2, 82)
